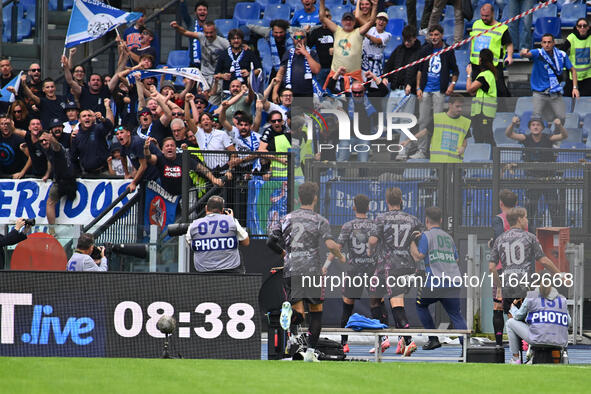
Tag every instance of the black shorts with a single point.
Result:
(62, 188)
(359, 281)
(309, 292)
(391, 284)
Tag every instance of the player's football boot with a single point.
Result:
(285, 318)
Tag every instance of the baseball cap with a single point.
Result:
(200, 97)
(71, 105)
(166, 84)
(55, 122)
(348, 15)
(143, 111)
(383, 15)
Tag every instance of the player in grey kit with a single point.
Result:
(298, 237)
(81, 260)
(354, 237)
(395, 233)
(518, 251)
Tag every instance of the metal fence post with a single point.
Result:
(185, 186)
(290, 181)
(496, 178)
(152, 248)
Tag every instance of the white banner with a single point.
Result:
(185, 72)
(28, 198)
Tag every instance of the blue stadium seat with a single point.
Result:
(245, 11)
(523, 104)
(23, 30)
(560, 3)
(297, 4)
(265, 3)
(67, 5)
(511, 156)
(571, 12)
(224, 26)
(277, 11)
(546, 25)
(572, 145)
(338, 11)
(586, 120)
(500, 137)
(265, 53)
(568, 103)
(395, 26)
(178, 59)
(549, 11)
(477, 153)
(448, 29)
(462, 60)
(418, 173)
(502, 120)
(7, 12)
(574, 135)
(504, 13)
(572, 120)
(391, 45)
(397, 12)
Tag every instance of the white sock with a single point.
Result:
(310, 350)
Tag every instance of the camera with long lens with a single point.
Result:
(135, 250)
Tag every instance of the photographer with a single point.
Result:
(83, 260)
(214, 239)
(16, 235)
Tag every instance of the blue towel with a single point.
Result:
(358, 322)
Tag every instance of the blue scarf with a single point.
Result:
(236, 64)
(197, 45)
(557, 65)
(307, 73)
(275, 59)
(369, 109)
(253, 146)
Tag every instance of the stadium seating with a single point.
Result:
(511, 156)
(224, 26)
(523, 104)
(67, 5)
(544, 12)
(546, 25)
(265, 3)
(418, 173)
(338, 11)
(277, 11)
(178, 59)
(397, 12)
(500, 137)
(23, 30)
(571, 12)
(586, 119)
(395, 26)
(448, 29)
(568, 103)
(574, 135)
(477, 153)
(7, 12)
(571, 121)
(448, 13)
(297, 4)
(265, 52)
(245, 11)
(462, 60)
(391, 45)
(583, 106)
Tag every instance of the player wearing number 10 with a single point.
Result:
(518, 250)
(214, 239)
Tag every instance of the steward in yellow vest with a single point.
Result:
(578, 48)
(484, 105)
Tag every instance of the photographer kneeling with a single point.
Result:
(16, 235)
(83, 257)
(542, 319)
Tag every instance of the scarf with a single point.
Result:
(552, 65)
(147, 133)
(253, 146)
(275, 59)
(369, 109)
(307, 73)
(197, 45)
(236, 64)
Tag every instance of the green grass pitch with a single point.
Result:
(100, 375)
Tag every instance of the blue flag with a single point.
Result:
(7, 96)
(92, 19)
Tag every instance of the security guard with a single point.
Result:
(484, 105)
(497, 40)
(214, 239)
(276, 138)
(542, 319)
(450, 134)
(578, 47)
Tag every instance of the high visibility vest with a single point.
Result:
(198, 180)
(282, 144)
(579, 55)
(448, 137)
(486, 102)
(490, 40)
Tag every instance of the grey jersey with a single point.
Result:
(354, 237)
(394, 230)
(83, 262)
(518, 251)
(214, 241)
(303, 232)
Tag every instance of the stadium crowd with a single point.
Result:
(261, 79)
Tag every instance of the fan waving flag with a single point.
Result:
(92, 19)
(5, 95)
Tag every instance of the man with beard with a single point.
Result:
(6, 75)
(236, 62)
(34, 81)
(151, 127)
(32, 147)
(199, 26)
(209, 138)
(56, 127)
(279, 41)
(240, 100)
(64, 174)
(12, 158)
(276, 138)
(89, 146)
(170, 166)
(90, 97)
(50, 106)
(132, 146)
(72, 116)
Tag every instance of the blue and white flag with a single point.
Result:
(7, 96)
(92, 19)
(185, 72)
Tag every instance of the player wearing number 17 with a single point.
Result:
(298, 237)
(518, 251)
(214, 239)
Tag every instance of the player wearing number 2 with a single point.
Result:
(518, 251)
(395, 232)
(214, 239)
(298, 237)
